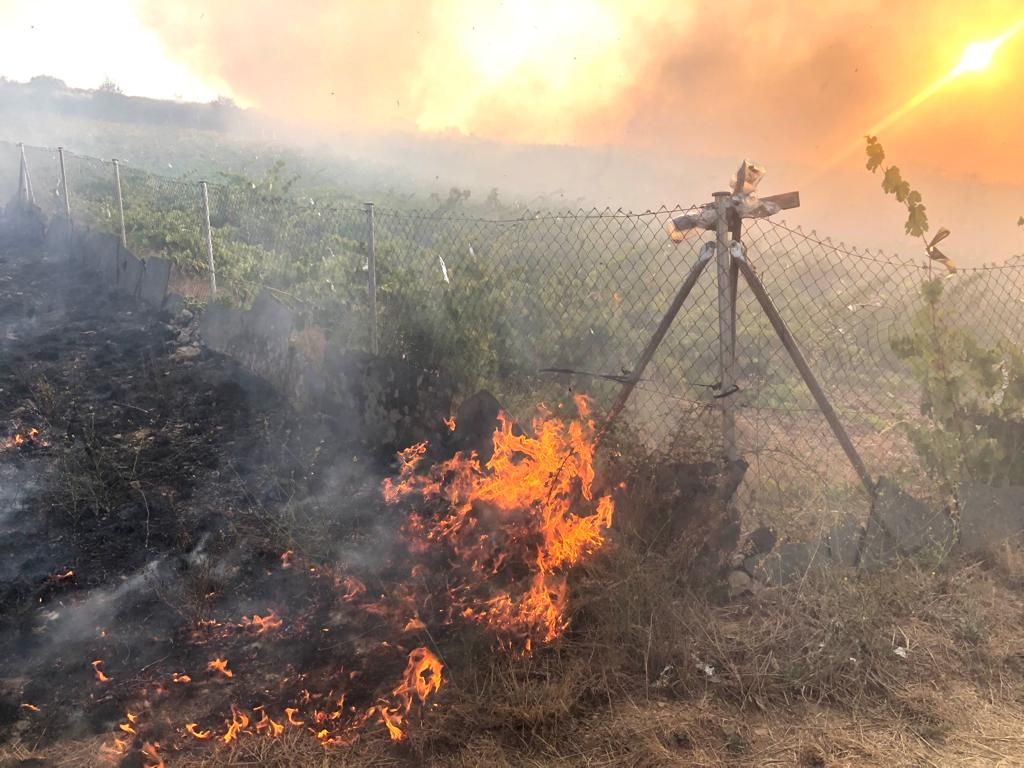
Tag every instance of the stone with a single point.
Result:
(762, 540)
(911, 525)
(184, 316)
(739, 583)
(153, 283)
(187, 353)
(843, 541)
(788, 563)
(990, 517)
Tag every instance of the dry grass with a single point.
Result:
(909, 667)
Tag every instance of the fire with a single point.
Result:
(99, 672)
(272, 728)
(237, 724)
(179, 678)
(532, 508)
(422, 677)
(193, 730)
(150, 751)
(220, 666)
(27, 439)
(60, 578)
(290, 714)
(286, 559)
(30, 707)
(262, 624)
(413, 625)
(450, 423)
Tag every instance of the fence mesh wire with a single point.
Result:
(542, 304)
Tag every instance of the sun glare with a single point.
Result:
(978, 56)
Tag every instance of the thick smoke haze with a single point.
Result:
(796, 80)
(654, 97)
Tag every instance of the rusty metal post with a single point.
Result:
(726, 328)
(64, 184)
(120, 203)
(703, 259)
(371, 278)
(805, 371)
(208, 231)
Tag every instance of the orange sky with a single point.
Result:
(793, 81)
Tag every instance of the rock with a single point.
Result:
(762, 540)
(184, 336)
(739, 583)
(789, 562)
(187, 353)
(184, 316)
(990, 517)
(843, 541)
(907, 525)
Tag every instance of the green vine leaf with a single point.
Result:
(876, 155)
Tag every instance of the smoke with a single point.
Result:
(790, 82)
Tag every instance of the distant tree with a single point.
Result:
(46, 81)
(109, 86)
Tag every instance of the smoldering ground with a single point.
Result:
(172, 492)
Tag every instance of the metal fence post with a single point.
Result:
(726, 327)
(64, 184)
(371, 279)
(30, 195)
(120, 203)
(209, 239)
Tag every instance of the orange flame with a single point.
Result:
(450, 423)
(150, 751)
(193, 730)
(99, 672)
(262, 624)
(60, 578)
(273, 729)
(30, 707)
(30, 437)
(237, 724)
(179, 678)
(286, 559)
(220, 666)
(413, 625)
(290, 714)
(532, 505)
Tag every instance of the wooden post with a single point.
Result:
(209, 239)
(726, 328)
(120, 203)
(371, 278)
(22, 184)
(64, 184)
(805, 371)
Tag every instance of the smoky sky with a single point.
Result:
(793, 80)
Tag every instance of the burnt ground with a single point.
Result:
(152, 513)
(160, 493)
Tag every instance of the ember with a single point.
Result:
(262, 624)
(220, 666)
(150, 751)
(26, 440)
(99, 672)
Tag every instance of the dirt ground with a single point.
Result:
(151, 515)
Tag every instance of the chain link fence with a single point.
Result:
(542, 304)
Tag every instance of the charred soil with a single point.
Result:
(191, 573)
